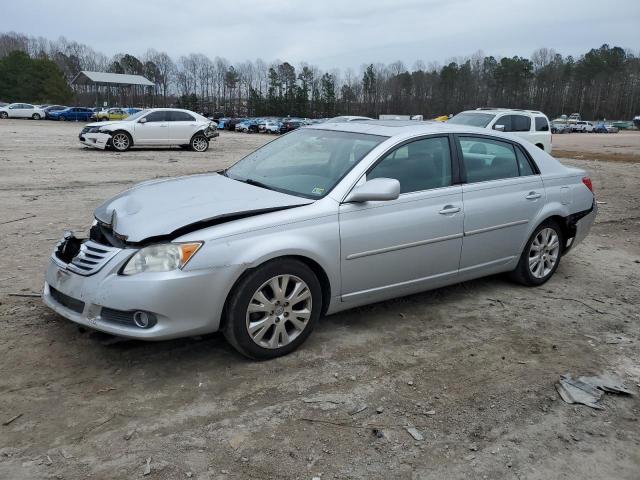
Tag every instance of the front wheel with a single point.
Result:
(541, 255)
(273, 309)
(121, 141)
(36, 116)
(199, 143)
(61, 118)
(4, 115)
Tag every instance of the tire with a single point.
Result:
(121, 141)
(4, 115)
(199, 143)
(548, 239)
(61, 118)
(36, 116)
(279, 331)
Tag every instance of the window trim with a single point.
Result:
(455, 171)
(463, 170)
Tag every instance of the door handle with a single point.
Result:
(533, 196)
(449, 209)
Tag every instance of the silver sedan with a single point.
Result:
(326, 218)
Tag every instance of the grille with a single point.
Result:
(67, 301)
(117, 316)
(91, 258)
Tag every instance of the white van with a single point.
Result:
(528, 124)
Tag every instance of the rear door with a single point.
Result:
(411, 243)
(503, 193)
(182, 126)
(542, 133)
(155, 131)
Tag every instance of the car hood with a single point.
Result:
(171, 207)
(101, 124)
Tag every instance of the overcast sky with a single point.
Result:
(331, 33)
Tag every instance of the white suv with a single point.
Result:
(582, 127)
(156, 126)
(528, 124)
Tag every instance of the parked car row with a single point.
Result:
(275, 125)
(63, 112)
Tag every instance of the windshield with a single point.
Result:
(472, 119)
(306, 162)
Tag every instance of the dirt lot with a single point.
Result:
(472, 367)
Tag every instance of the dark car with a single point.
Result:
(53, 108)
(79, 114)
(289, 125)
(232, 122)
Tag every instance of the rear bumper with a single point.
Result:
(582, 222)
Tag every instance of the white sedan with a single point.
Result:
(153, 127)
(22, 110)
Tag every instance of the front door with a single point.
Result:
(503, 194)
(155, 131)
(389, 248)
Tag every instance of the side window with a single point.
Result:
(542, 125)
(160, 116)
(420, 165)
(523, 164)
(485, 159)
(175, 116)
(505, 121)
(520, 123)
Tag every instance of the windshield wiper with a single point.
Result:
(256, 183)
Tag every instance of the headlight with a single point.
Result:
(161, 258)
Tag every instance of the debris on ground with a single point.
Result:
(358, 409)
(589, 390)
(377, 432)
(12, 419)
(147, 467)
(414, 433)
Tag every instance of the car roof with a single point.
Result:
(504, 110)
(404, 128)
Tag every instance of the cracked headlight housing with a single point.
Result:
(161, 258)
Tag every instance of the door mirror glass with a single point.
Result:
(499, 128)
(378, 189)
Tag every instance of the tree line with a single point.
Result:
(602, 83)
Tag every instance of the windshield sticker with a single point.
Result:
(317, 191)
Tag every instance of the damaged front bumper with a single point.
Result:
(172, 304)
(95, 140)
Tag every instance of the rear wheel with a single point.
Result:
(199, 143)
(273, 309)
(541, 255)
(121, 141)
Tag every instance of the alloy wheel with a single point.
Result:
(279, 311)
(199, 144)
(120, 141)
(544, 252)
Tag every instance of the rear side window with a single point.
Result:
(542, 124)
(523, 164)
(180, 117)
(514, 123)
(420, 165)
(486, 159)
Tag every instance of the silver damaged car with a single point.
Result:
(323, 219)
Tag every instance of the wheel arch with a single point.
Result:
(316, 268)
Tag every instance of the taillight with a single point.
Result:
(587, 182)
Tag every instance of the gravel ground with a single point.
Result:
(472, 367)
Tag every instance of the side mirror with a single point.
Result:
(499, 128)
(142, 120)
(378, 189)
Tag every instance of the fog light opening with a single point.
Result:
(143, 319)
